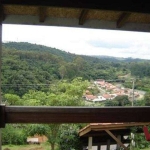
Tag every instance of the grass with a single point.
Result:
(44, 146)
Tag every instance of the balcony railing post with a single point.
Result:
(1, 18)
(2, 116)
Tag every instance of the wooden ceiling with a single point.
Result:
(92, 14)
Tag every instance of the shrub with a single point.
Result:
(13, 135)
(69, 138)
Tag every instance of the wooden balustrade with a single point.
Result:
(57, 114)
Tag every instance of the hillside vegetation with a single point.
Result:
(36, 75)
(28, 66)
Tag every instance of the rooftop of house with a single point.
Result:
(110, 126)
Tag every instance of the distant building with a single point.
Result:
(99, 99)
(90, 97)
(36, 139)
(107, 96)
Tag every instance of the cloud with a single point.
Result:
(109, 44)
(82, 41)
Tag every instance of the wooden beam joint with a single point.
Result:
(116, 139)
(122, 19)
(83, 16)
(42, 13)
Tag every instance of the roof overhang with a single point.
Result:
(91, 128)
(93, 14)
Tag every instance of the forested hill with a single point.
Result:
(28, 66)
(25, 46)
(120, 59)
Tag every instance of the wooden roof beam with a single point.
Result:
(122, 19)
(139, 6)
(42, 13)
(82, 17)
(116, 139)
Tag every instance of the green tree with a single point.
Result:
(62, 93)
(13, 134)
(69, 138)
(34, 98)
(79, 63)
(122, 100)
(62, 71)
(118, 101)
(147, 98)
(12, 99)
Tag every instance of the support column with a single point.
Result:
(99, 147)
(108, 144)
(119, 138)
(1, 16)
(118, 141)
(90, 143)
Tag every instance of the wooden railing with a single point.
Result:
(23, 114)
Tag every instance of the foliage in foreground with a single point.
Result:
(69, 138)
(139, 139)
(43, 146)
(62, 93)
(13, 134)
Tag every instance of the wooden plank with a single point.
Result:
(82, 17)
(102, 134)
(117, 140)
(111, 126)
(139, 6)
(21, 114)
(85, 131)
(117, 128)
(122, 19)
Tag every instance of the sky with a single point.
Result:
(82, 41)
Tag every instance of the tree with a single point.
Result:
(69, 138)
(34, 98)
(13, 135)
(79, 62)
(62, 71)
(147, 98)
(62, 93)
(118, 101)
(12, 99)
(139, 138)
(122, 100)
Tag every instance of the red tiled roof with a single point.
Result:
(91, 97)
(107, 96)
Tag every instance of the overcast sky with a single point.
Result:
(82, 41)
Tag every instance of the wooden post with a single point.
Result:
(99, 147)
(90, 143)
(108, 144)
(119, 138)
(1, 16)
